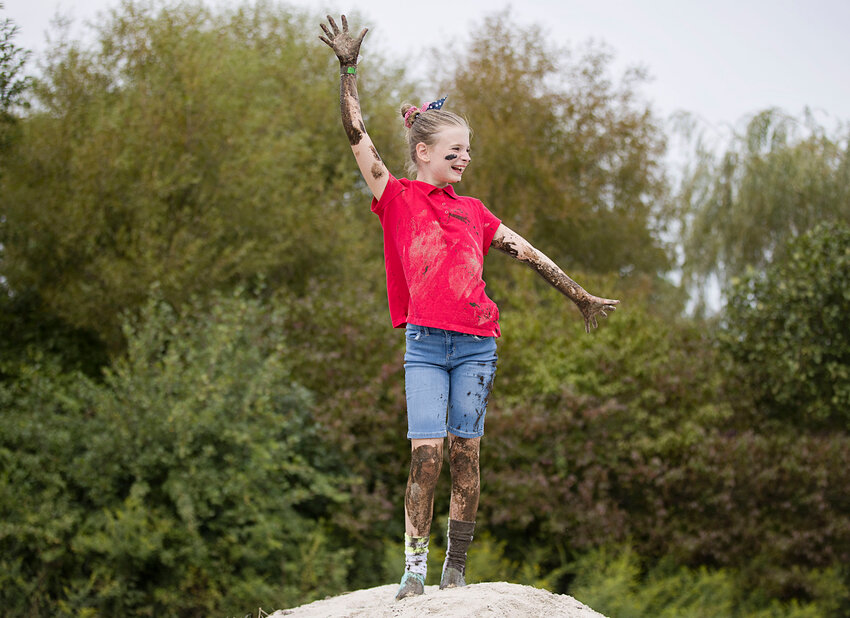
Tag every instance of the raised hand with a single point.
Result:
(346, 47)
(591, 306)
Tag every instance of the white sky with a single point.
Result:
(719, 59)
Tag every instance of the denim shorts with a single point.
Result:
(447, 377)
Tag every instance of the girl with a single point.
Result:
(434, 247)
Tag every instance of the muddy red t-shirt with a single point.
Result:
(434, 247)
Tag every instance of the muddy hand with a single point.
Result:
(593, 306)
(344, 45)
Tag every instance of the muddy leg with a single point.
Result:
(466, 487)
(466, 477)
(426, 462)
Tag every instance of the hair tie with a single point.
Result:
(434, 104)
(408, 115)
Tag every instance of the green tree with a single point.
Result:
(788, 331)
(189, 148)
(564, 154)
(776, 179)
(12, 60)
(191, 481)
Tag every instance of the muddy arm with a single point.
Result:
(347, 49)
(516, 246)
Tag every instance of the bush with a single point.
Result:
(788, 329)
(191, 482)
(613, 582)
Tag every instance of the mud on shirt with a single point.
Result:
(434, 247)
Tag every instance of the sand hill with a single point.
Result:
(473, 601)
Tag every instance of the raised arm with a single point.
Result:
(518, 247)
(347, 48)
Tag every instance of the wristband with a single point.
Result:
(349, 70)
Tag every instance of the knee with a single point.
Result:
(463, 456)
(425, 465)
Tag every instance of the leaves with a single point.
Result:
(777, 179)
(193, 150)
(788, 327)
(191, 480)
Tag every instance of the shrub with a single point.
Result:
(192, 481)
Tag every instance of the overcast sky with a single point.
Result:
(720, 60)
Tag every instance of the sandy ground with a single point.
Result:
(473, 601)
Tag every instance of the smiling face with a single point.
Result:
(445, 161)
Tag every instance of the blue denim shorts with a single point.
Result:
(448, 377)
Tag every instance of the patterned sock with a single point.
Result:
(460, 537)
(416, 554)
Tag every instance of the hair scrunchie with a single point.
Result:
(411, 114)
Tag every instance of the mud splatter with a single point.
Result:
(459, 217)
(466, 477)
(506, 246)
(488, 388)
(377, 170)
(349, 104)
(426, 462)
(375, 152)
(451, 157)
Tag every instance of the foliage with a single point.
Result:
(350, 358)
(191, 482)
(612, 582)
(776, 180)
(788, 331)
(582, 426)
(192, 149)
(13, 86)
(566, 156)
(29, 329)
(12, 61)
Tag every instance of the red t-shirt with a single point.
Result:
(434, 247)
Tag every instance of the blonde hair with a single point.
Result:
(424, 127)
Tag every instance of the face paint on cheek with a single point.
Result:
(451, 157)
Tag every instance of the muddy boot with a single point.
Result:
(412, 584)
(452, 578)
(459, 537)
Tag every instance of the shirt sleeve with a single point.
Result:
(489, 224)
(391, 191)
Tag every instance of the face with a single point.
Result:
(446, 160)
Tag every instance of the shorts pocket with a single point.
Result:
(413, 332)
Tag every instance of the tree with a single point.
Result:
(192, 480)
(788, 329)
(776, 180)
(561, 152)
(12, 61)
(192, 150)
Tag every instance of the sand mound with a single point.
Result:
(475, 600)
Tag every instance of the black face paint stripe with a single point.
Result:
(451, 157)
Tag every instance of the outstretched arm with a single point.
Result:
(347, 48)
(518, 247)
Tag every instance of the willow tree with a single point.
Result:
(12, 60)
(188, 149)
(562, 151)
(772, 182)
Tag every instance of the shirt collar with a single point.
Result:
(429, 189)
